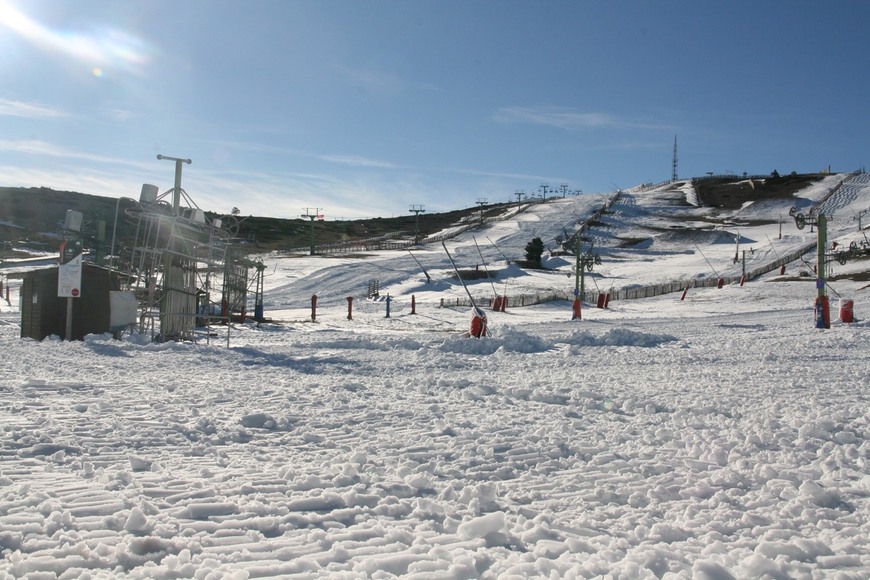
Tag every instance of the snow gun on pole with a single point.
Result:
(721, 281)
(478, 316)
(485, 269)
(428, 279)
(506, 259)
(706, 260)
(771, 246)
(458, 275)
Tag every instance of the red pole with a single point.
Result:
(576, 306)
(350, 307)
(413, 304)
(313, 307)
(683, 297)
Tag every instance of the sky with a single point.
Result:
(366, 109)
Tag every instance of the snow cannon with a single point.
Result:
(478, 323)
(575, 308)
(846, 310)
(822, 312)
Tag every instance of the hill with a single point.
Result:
(35, 215)
(650, 241)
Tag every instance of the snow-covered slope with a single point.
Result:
(643, 238)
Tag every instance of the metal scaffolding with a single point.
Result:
(181, 268)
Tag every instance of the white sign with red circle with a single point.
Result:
(69, 275)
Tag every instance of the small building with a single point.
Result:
(43, 312)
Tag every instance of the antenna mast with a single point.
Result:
(674, 166)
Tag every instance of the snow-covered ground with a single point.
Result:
(720, 436)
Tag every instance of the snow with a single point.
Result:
(720, 436)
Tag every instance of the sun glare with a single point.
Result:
(106, 47)
(15, 20)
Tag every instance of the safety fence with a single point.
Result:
(731, 177)
(637, 292)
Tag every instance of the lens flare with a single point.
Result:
(107, 45)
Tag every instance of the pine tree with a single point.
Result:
(534, 252)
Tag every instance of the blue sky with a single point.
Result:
(364, 109)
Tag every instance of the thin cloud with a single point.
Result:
(505, 175)
(119, 115)
(346, 160)
(565, 118)
(383, 82)
(372, 80)
(11, 108)
(356, 161)
(253, 146)
(35, 147)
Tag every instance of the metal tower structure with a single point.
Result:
(417, 210)
(674, 164)
(312, 217)
(481, 203)
(179, 265)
